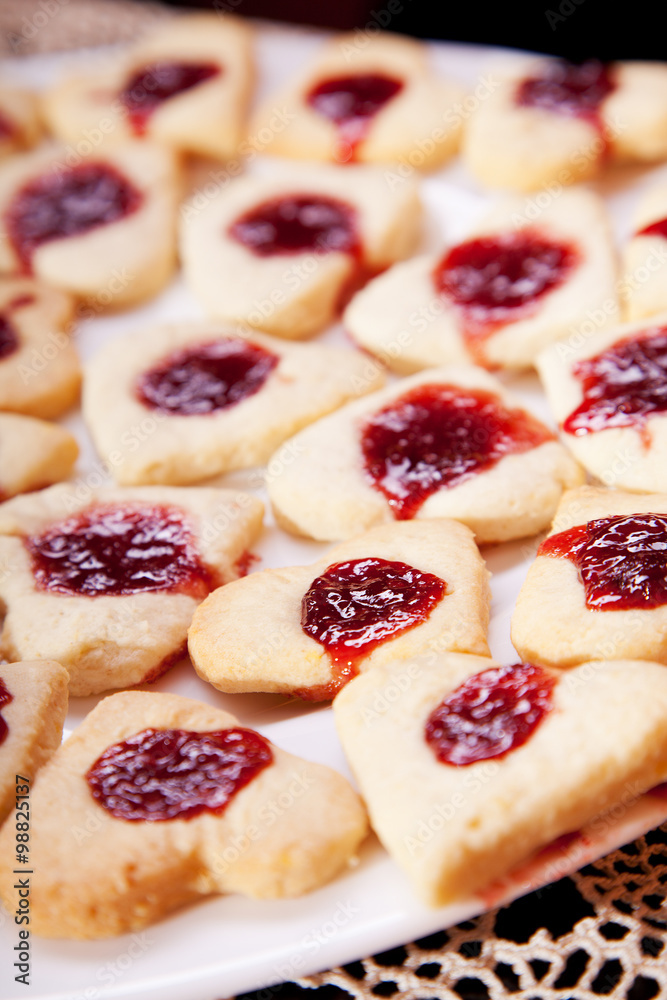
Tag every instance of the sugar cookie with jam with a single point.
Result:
(448, 442)
(106, 582)
(282, 253)
(186, 86)
(218, 399)
(550, 123)
(225, 811)
(101, 228)
(519, 282)
(373, 102)
(645, 256)
(306, 630)
(33, 454)
(33, 707)
(597, 587)
(20, 125)
(40, 374)
(477, 766)
(608, 393)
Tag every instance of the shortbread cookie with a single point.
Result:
(608, 393)
(33, 706)
(450, 442)
(220, 399)
(101, 228)
(225, 811)
(115, 612)
(305, 630)
(597, 588)
(510, 289)
(186, 86)
(375, 102)
(33, 453)
(40, 374)
(279, 253)
(20, 127)
(644, 280)
(476, 765)
(550, 123)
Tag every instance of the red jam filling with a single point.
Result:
(357, 605)
(490, 714)
(437, 436)
(120, 549)
(68, 203)
(176, 774)
(350, 102)
(149, 87)
(296, 224)
(496, 280)
(5, 698)
(658, 228)
(621, 386)
(206, 378)
(569, 89)
(621, 561)
(9, 340)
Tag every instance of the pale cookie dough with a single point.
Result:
(32, 723)
(403, 319)
(644, 277)
(293, 295)
(129, 873)
(20, 126)
(551, 622)
(107, 640)
(308, 381)
(525, 148)
(247, 636)
(453, 829)
(40, 374)
(207, 118)
(418, 125)
(627, 452)
(33, 453)
(117, 263)
(326, 493)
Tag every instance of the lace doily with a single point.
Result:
(601, 932)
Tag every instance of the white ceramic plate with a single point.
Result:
(227, 945)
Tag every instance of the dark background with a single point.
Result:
(574, 29)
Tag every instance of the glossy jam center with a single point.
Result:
(568, 89)
(621, 386)
(120, 549)
(149, 87)
(68, 203)
(176, 774)
(206, 378)
(357, 605)
(622, 560)
(5, 698)
(350, 102)
(497, 279)
(490, 714)
(437, 436)
(9, 340)
(297, 223)
(658, 228)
